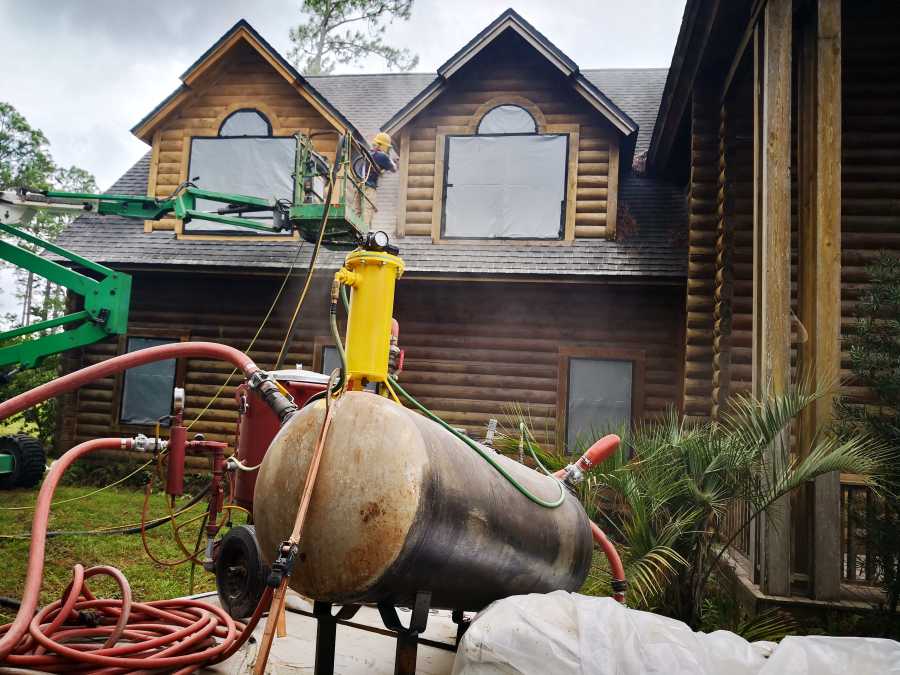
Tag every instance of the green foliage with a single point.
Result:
(332, 35)
(721, 612)
(25, 160)
(666, 505)
(875, 360)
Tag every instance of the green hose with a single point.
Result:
(336, 336)
(486, 456)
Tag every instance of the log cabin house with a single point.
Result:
(680, 218)
(554, 281)
(780, 118)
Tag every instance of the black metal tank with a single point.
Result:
(401, 506)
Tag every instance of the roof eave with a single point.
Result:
(511, 20)
(242, 29)
(696, 25)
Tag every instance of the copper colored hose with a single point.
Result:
(67, 383)
(79, 631)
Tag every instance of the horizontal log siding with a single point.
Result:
(870, 217)
(243, 80)
(472, 349)
(870, 184)
(508, 69)
(702, 224)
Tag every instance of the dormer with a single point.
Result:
(231, 125)
(510, 141)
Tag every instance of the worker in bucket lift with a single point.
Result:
(381, 148)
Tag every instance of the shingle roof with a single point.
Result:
(651, 215)
(370, 100)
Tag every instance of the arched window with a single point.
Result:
(507, 119)
(506, 181)
(246, 123)
(243, 158)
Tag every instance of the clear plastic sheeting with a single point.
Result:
(245, 123)
(599, 396)
(505, 186)
(257, 167)
(507, 119)
(571, 634)
(147, 390)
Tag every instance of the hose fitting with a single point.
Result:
(264, 384)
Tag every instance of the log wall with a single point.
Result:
(720, 284)
(509, 71)
(242, 80)
(473, 349)
(702, 234)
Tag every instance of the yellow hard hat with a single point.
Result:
(381, 140)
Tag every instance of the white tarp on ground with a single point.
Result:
(567, 633)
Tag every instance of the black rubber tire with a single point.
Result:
(240, 571)
(29, 461)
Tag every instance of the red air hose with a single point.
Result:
(615, 562)
(595, 454)
(67, 383)
(173, 635)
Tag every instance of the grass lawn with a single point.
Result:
(149, 581)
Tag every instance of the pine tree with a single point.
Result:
(347, 31)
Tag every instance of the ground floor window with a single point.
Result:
(599, 390)
(147, 390)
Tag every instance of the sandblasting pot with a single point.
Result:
(401, 505)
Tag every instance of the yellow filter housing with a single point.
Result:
(373, 276)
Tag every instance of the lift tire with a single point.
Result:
(29, 461)
(241, 572)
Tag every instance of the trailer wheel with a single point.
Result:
(29, 461)
(240, 571)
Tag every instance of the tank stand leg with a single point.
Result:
(407, 637)
(462, 624)
(326, 631)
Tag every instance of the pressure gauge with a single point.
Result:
(380, 239)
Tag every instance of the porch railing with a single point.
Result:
(858, 506)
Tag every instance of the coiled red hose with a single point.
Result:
(67, 383)
(179, 635)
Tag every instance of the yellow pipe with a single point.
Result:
(372, 277)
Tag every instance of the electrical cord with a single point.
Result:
(486, 455)
(120, 529)
(84, 496)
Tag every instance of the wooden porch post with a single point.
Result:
(820, 265)
(772, 259)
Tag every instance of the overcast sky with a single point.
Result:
(86, 71)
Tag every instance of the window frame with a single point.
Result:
(187, 149)
(270, 129)
(470, 129)
(176, 334)
(637, 358)
(537, 129)
(236, 234)
(561, 231)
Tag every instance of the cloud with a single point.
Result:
(86, 71)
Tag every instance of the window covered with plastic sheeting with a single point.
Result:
(147, 390)
(243, 159)
(507, 119)
(245, 123)
(505, 186)
(599, 397)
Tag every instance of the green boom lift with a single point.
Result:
(106, 292)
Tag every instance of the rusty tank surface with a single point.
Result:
(401, 505)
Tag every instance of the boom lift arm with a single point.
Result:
(107, 297)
